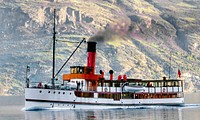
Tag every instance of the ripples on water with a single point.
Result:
(186, 112)
(138, 113)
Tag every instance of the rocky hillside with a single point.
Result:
(135, 37)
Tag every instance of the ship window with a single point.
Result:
(173, 83)
(111, 84)
(154, 84)
(77, 69)
(84, 94)
(160, 84)
(99, 83)
(180, 83)
(106, 84)
(40, 91)
(63, 92)
(81, 70)
(88, 70)
(117, 84)
(58, 92)
(54, 92)
(49, 92)
(149, 84)
(73, 70)
(176, 84)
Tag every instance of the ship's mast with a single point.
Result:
(54, 41)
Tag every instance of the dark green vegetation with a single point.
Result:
(135, 37)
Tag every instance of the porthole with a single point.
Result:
(63, 92)
(58, 92)
(49, 92)
(54, 92)
(70, 93)
(40, 91)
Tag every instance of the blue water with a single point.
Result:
(11, 108)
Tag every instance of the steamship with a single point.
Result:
(82, 88)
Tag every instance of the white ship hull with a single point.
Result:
(62, 99)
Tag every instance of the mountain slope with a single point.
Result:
(135, 37)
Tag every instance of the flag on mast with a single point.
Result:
(179, 73)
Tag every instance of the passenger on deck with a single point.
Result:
(27, 82)
(149, 85)
(39, 85)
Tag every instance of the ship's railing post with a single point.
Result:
(53, 83)
(27, 79)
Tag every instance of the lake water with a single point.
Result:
(11, 108)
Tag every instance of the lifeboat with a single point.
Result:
(134, 88)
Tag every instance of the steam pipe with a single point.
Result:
(111, 74)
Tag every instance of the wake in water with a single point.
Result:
(183, 106)
(191, 105)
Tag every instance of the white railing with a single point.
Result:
(146, 89)
(162, 89)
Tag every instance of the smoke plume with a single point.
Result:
(118, 30)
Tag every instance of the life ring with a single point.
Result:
(105, 89)
(164, 90)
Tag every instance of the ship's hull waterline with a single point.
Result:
(62, 99)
